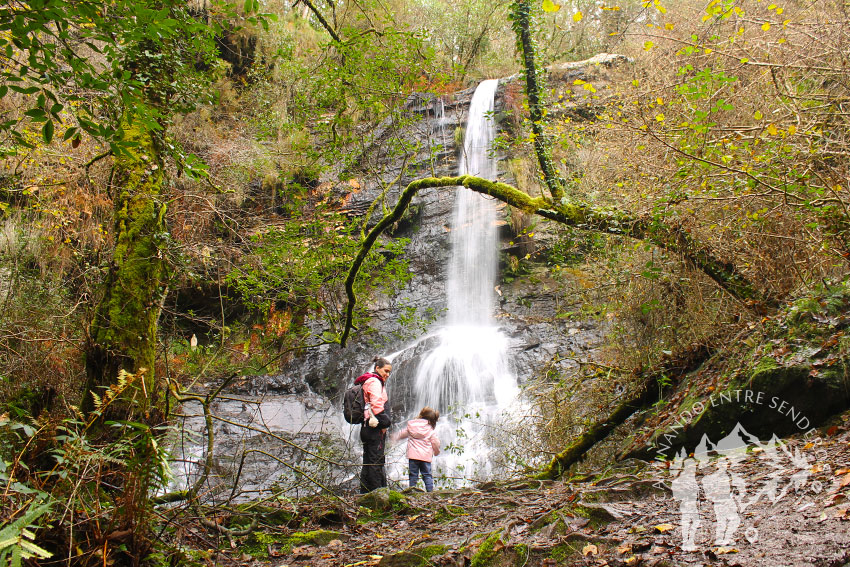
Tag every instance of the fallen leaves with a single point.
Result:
(590, 549)
(661, 528)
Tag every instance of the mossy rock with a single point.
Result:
(384, 500)
(488, 551)
(564, 553)
(257, 543)
(493, 552)
(794, 399)
(448, 513)
(270, 515)
(769, 400)
(420, 557)
(598, 514)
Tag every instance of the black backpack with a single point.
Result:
(354, 404)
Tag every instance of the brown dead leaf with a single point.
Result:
(840, 472)
(589, 549)
(625, 548)
(661, 528)
(845, 480)
(633, 560)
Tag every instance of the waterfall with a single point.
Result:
(467, 376)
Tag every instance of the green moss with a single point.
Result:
(398, 501)
(269, 514)
(564, 552)
(487, 551)
(766, 363)
(124, 326)
(257, 543)
(449, 512)
(523, 553)
(420, 557)
(597, 516)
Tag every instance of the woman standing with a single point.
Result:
(376, 420)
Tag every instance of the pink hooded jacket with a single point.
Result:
(422, 442)
(374, 393)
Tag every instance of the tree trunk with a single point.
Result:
(122, 334)
(521, 15)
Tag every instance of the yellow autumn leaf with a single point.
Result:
(578, 82)
(659, 117)
(772, 7)
(668, 26)
(589, 549)
(792, 130)
(659, 101)
(725, 550)
(780, 10)
(758, 115)
(647, 45)
(577, 16)
(765, 26)
(549, 6)
(772, 130)
(661, 528)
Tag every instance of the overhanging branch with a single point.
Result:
(582, 216)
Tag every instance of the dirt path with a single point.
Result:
(790, 515)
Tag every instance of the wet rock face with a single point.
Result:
(526, 311)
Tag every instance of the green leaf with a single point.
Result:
(47, 132)
(36, 114)
(24, 90)
(3, 90)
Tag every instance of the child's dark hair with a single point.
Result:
(430, 414)
(380, 362)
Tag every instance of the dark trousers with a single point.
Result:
(373, 475)
(415, 467)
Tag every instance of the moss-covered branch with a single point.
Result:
(586, 217)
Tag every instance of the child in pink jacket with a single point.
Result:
(422, 446)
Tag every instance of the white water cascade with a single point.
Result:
(467, 376)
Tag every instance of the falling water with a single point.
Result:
(467, 376)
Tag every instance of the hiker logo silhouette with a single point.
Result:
(714, 483)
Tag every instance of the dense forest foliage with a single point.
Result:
(173, 179)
